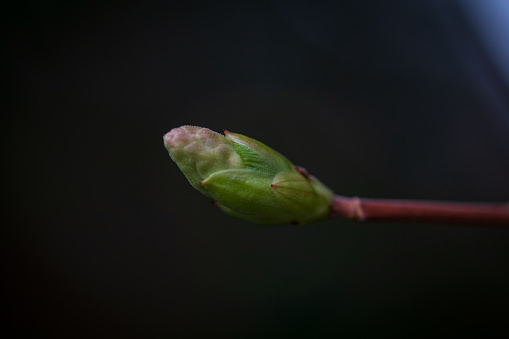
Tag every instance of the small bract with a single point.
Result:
(246, 178)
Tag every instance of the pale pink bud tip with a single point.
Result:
(180, 137)
(167, 138)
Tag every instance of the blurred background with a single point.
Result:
(104, 237)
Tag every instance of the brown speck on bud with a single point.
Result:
(302, 171)
(295, 223)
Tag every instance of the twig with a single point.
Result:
(363, 210)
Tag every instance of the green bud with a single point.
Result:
(246, 178)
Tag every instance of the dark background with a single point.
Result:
(104, 237)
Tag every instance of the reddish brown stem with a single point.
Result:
(362, 209)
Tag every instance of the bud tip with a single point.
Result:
(167, 139)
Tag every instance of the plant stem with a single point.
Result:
(362, 209)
